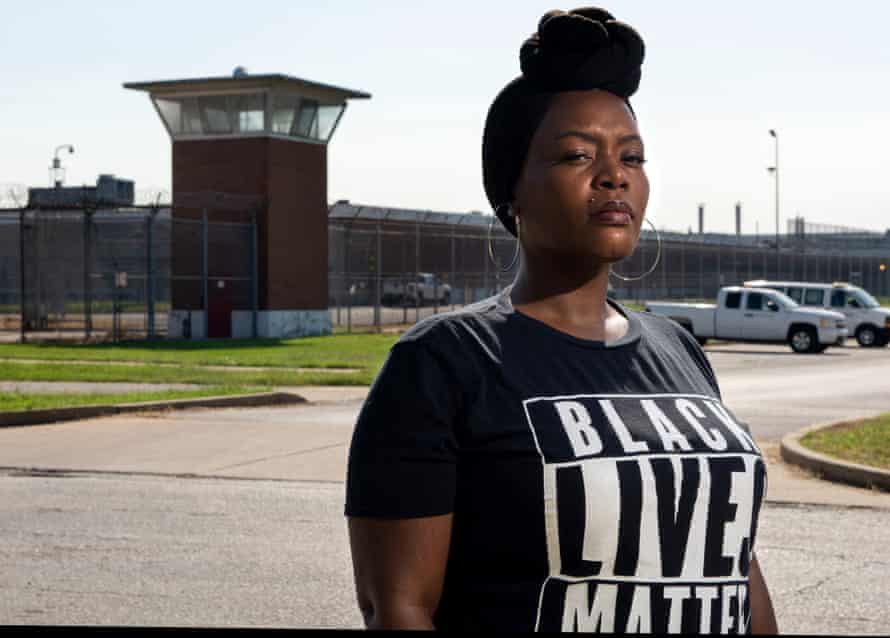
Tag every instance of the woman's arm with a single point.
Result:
(399, 568)
(763, 618)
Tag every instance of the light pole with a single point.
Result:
(56, 170)
(775, 170)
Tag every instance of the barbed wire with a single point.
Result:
(13, 195)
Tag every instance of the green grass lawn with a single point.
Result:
(364, 351)
(17, 401)
(50, 371)
(866, 442)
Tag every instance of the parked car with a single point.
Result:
(865, 318)
(425, 288)
(760, 315)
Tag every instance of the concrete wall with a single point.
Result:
(176, 324)
(282, 324)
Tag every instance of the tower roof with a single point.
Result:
(264, 81)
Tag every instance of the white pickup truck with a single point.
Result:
(424, 288)
(866, 320)
(745, 314)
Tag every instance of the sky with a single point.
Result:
(716, 78)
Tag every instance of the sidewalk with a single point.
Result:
(790, 484)
(308, 442)
(91, 387)
(156, 364)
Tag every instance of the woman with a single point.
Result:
(546, 459)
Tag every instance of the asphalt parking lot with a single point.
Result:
(234, 517)
(139, 550)
(776, 391)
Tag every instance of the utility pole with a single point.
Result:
(738, 219)
(775, 170)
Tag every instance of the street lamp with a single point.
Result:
(56, 170)
(775, 171)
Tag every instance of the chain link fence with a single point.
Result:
(83, 273)
(389, 268)
(109, 274)
(396, 275)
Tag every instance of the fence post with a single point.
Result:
(404, 302)
(348, 234)
(683, 269)
(87, 283)
(485, 259)
(149, 273)
(378, 284)
(497, 270)
(416, 269)
(115, 308)
(205, 243)
(453, 281)
(349, 309)
(254, 275)
(338, 299)
(22, 274)
(701, 271)
(735, 262)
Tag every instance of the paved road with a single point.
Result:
(777, 391)
(112, 550)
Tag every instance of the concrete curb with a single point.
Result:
(828, 467)
(55, 415)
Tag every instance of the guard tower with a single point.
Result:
(255, 146)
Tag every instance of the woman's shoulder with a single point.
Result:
(472, 325)
(666, 335)
(660, 324)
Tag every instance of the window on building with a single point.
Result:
(284, 112)
(191, 117)
(327, 119)
(280, 113)
(171, 112)
(250, 112)
(215, 114)
(307, 122)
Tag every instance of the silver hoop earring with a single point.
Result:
(491, 249)
(654, 265)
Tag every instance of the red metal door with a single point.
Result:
(219, 310)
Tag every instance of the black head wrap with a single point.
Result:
(578, 50)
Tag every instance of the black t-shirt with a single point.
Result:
(595, 486)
